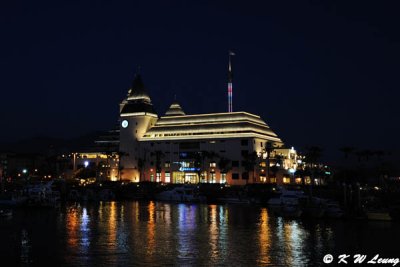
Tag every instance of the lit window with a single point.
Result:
(158, 177)
(286, 180)
(167, 177)
(223, 178)
(213, 164)
(212, 178)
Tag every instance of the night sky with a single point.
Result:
(319, 73)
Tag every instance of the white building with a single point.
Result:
(178, 148)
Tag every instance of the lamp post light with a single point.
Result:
(292, 172)
(74, 161)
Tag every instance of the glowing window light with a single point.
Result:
(167, 177)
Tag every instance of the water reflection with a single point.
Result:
(72, 225)
(112, 224)
(264, 239)
(25, 256)
(153, 233)
(186, 249)
(85, 231)
(151, 229)
(213, 232)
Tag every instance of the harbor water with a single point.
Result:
(169, 234)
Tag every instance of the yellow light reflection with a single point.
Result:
(151, 229)
(213, 231)
(112, 223)
(72, 227)
(264, 239)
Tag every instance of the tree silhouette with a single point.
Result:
(313, 154)
(347, 150)
(198, 163)
(250, 161)
(140, 167)
(268, 150)
(158, 160)
(224, 165)
(121, 154)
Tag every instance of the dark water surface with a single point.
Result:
(159, 234)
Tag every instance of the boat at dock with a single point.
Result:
(42, 195)
(287, 204)
(12, 200)
(333, 210)
(378, 216)
(5, 213)
(233, 200)
(286, 197)
(186, 193)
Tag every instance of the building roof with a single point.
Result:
(210, 126)
(138, 100)
(175, 110)
(136, 107)
(107, 141)
(138, 90)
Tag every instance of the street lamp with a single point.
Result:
(292, 171)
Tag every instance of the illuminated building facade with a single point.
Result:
(227, 148)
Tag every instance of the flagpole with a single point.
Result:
(230, 89)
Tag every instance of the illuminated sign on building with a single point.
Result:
(188, 169)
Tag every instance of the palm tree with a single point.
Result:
(278, 164)
(313, 154)
(250, 161)
(211, 156)
(198, 163)
(224, 165)
(121, 154)
(268, 150)
(379, 153)
(158, 156)
(367, 154)
(140, 167)
(347, 150)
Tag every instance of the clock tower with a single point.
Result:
(137, 115)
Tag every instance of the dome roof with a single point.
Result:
(175, 110)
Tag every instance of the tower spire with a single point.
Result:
(230, 108)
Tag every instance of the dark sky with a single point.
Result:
(319, 73)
